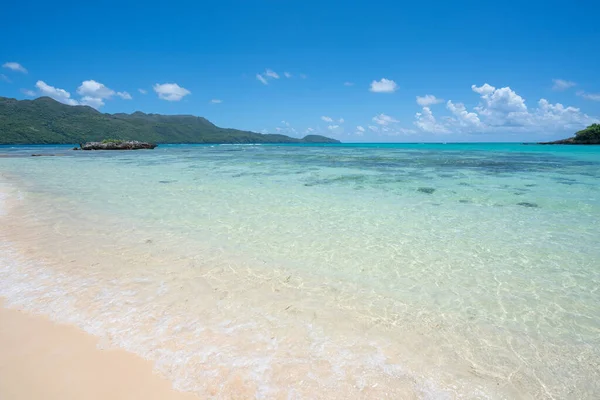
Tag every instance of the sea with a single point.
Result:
(338, 271)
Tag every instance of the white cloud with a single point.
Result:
(15, 66)
(57, 94)
(124, 95)
(216, 101)
(341, 120)
(170, 91)
(262, 79)
(5, 78)
(285, 123)
(561, 84)
(383, 119)
(383, 86)
(501, 107)
(309, 130)
(95, 102)
(427, 122)
(484, 89)
(589, 96)
(333, 127)
(373, 128)
(558, 116)
(278, 129)
(503, 110)
(142, 91)
(327, 119)
(271, 74)
(348, 83)
(29, 93)
(360, 128)
(95, 93)
(464, 117)
(95, 89)
(428, 100)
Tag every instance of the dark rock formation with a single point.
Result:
(117, 145)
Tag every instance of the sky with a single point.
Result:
(359, 71)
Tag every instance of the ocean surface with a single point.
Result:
(426, 271)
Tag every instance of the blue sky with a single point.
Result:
(484, 71)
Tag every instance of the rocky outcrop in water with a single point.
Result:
(117, 145)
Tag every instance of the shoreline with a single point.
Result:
(41, 359)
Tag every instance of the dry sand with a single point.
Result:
(40, 359)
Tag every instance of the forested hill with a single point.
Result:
(46, 121)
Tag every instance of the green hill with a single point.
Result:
(589, 135)
(46, 121)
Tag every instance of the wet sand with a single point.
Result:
(40, 359)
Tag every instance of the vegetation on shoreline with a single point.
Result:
(589, 135)
(46, 121)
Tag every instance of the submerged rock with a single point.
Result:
(117, 145)
(527, 204)
(427, 190)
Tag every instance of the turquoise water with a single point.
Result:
(334, 271)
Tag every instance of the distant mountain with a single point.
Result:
(46, 121)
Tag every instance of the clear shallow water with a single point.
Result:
(426, 271)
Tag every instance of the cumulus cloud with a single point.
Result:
(383, 86)
(27, 92)
(464, 117)
(589, 96)
(170, 91)
(56, 93)
(95, 89)
(95, 102)
(427, 122)
(360, 128)
(287, 74)
(95, 93)
(484, 89)
(383, 119)
(327, 119)
(309, 130)
(333, 127)
(501, 107)
(15, 66)
(216, 101)
(561, 84)
(556, 115)
(503, 110)
(143, 91)
(341, 120)
(428, 100)
(373, 128)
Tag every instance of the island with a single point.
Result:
(47, 121)
(116, 144)
(589, 135)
